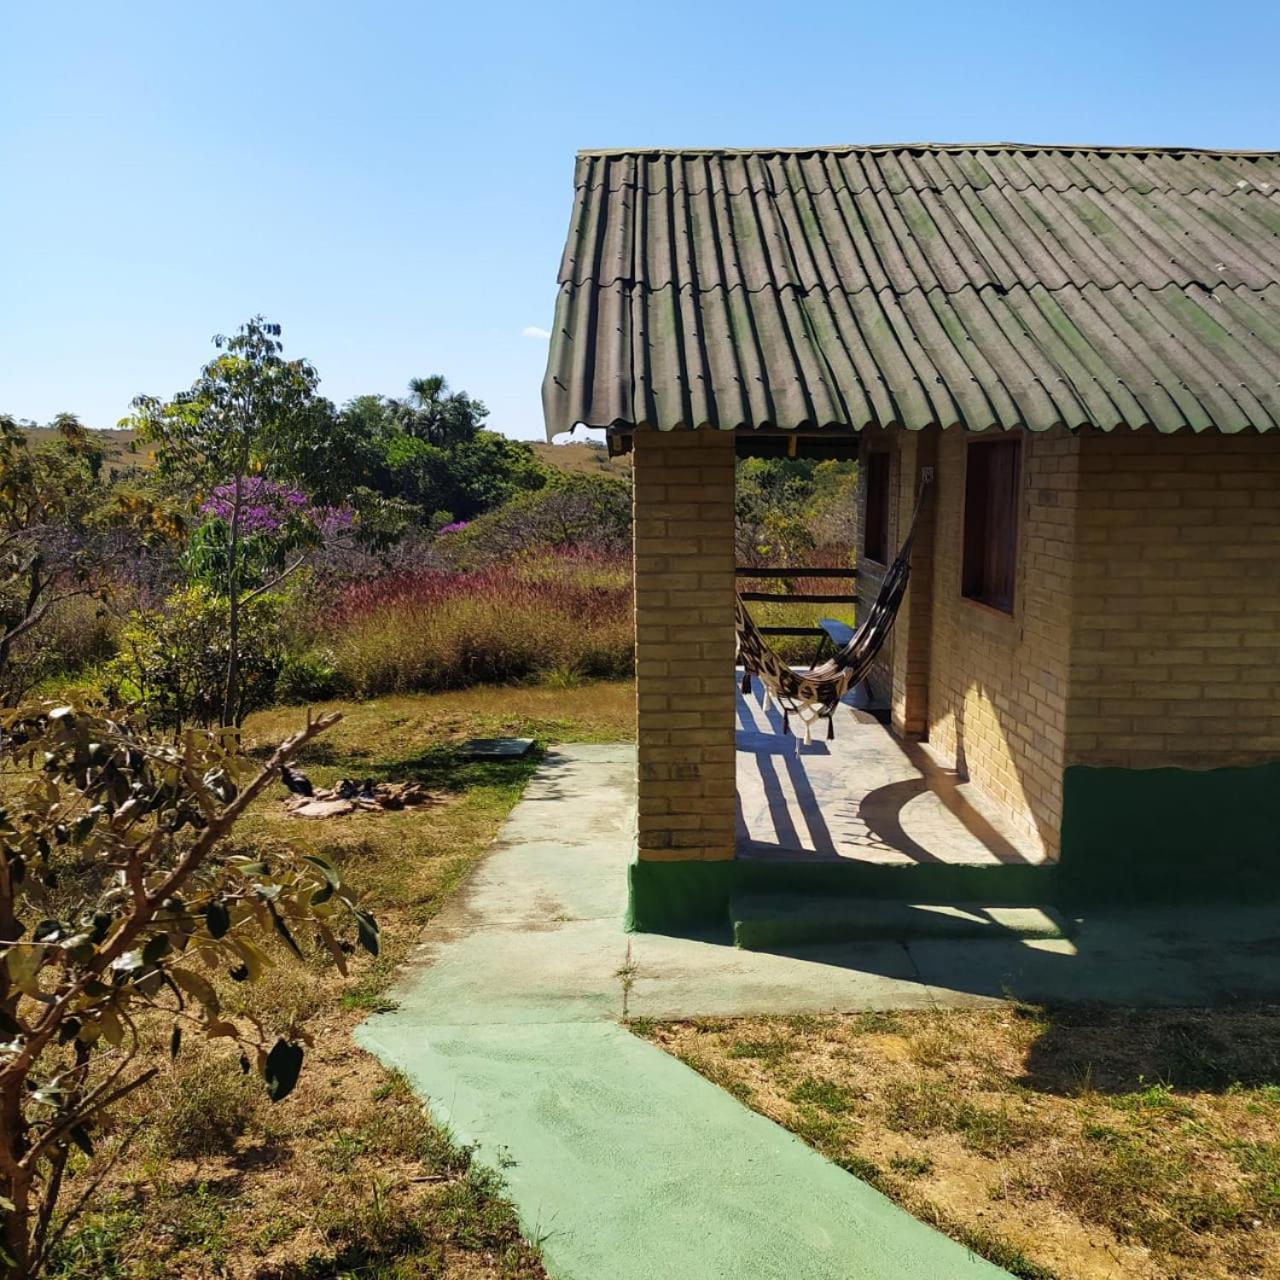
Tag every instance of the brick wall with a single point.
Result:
(684, 594)
(911, 655)
(997, 683)
(1176, 650)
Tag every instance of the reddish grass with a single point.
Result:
(565, 615)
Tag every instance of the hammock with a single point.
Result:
(815, 695)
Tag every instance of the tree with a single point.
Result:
(431, 449)
(250, 413)
(588, 511)
(120, 894)
(772, 497)
(441, 417)
(50, 497)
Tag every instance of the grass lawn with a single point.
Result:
(346, 1177)
(1067, 1144)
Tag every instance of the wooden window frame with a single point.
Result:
(882, 508)
(990, 559)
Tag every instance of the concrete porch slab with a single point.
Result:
(864, 795)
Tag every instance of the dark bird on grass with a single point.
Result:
(296, 781)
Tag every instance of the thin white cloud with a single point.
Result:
(533, 331)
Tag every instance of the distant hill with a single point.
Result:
(578, 458)
(582, 458)
(114, 442)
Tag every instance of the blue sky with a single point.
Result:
(391, 181)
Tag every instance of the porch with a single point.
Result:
(866, 795)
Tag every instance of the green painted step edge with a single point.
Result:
(1170, 835)
(682, 897)
(764, 921)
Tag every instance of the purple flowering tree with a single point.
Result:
(280, 528)
(250, 422)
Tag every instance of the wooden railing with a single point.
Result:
(803, 597)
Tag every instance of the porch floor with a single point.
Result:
(865, 795)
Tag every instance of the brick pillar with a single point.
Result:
(912, 631)
(684, 585)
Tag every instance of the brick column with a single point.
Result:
(912, 631)
(684, 585)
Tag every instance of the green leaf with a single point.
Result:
(78, 948)
(284, 1062)
(23, 963)
(367, 931)
(283, 930)
(112, 1028)
(217, 919)
(79, 1135)
(198, 988)
(83, 825)
(156, 948)
(325, 868)
(127, 963)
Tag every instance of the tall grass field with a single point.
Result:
(559, 616)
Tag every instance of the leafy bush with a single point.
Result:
(172, 661)
(121, 892)
(433, 630)
(585, 513)
(308, 675)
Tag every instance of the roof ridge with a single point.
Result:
(849, 148)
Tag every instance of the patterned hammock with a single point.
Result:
(815, 695)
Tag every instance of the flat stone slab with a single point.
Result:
(497, 748)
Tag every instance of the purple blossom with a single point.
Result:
(454, 527)
(267, 506)
(330, 521)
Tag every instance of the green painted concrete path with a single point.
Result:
(627, 1165)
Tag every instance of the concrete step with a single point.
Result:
(765, 922)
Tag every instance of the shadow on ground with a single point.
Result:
(1118, 1051)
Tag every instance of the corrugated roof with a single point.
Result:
(977, 286)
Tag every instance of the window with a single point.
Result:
(875, 539)
(991, 522)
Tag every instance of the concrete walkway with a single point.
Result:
(625, 1164)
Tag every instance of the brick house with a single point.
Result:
(1084, 346)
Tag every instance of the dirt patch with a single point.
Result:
(1073, 1144)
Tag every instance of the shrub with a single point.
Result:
(308, 676)
(75, 635)
(172, 662)
(573, 513)
(429, 630)
(122, 892)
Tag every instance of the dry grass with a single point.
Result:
(580, 458)
(567, 616)
(347, 1177)
(1076, 1145)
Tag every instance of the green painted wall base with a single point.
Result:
(1168, 835)
(683, 897)
(1133, 836)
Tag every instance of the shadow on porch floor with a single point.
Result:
(865, 795)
